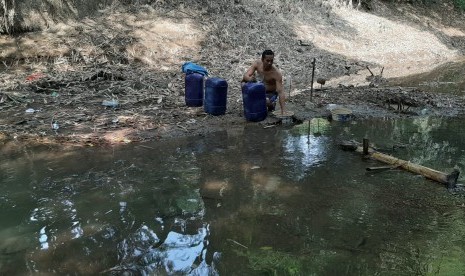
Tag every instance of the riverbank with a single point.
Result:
(83, 120)
(61, 85)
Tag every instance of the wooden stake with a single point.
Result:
(365, 146)
(290, 85)
(313, 75)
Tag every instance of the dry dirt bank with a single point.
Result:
(64, 74)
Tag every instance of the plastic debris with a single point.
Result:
(55, 126)
(112, 103)
(331, 107)
(30, 110)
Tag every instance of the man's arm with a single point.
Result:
(249, 76)
(280, 90)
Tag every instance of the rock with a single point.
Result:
(310, 105)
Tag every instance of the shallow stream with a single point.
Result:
(277, 201)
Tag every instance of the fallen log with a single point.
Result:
(449, 179)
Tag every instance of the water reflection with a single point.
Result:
(179, 253)
(303, 153)
(258, 201)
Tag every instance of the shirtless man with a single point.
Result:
(271, 78)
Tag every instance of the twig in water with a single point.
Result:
(270, 126)
(147, 147)
(233, 241)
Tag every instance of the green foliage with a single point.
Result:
(460, 4)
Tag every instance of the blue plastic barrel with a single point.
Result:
(194, 89)
(254, 99)
(216, 94)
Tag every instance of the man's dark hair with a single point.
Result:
(267, 53)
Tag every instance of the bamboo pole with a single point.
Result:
(449, 179)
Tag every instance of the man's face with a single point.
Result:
(267, 61)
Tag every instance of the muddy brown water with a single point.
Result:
(254, 201)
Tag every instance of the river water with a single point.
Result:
(253, 201)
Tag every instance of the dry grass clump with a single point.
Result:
(30, 15)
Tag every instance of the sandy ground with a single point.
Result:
(54, 82)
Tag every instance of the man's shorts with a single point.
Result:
(272, 98)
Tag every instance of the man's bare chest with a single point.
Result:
(267, 77)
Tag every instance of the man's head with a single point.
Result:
(267, 59)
